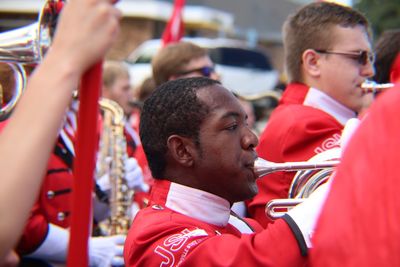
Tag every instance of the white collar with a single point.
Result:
(318, 99)
(198, 204)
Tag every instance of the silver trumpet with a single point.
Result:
(310, 175)
(26, 45)
(374, 87)
(263, 167)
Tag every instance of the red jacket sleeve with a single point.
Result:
(53, 206)
(35, 232)
(165, 239)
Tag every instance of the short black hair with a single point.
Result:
(173, 108)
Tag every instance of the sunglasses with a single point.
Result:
(362, 57)
(205, 71)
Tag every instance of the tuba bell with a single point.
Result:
(26, 45)
(310, 175)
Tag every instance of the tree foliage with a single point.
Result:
(383, 14)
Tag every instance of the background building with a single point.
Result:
(257, 21)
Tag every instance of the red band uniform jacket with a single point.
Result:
(184, 226)
(305, 123)
(53, 204)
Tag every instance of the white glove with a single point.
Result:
(104, 181)
(348, 131)
(103, 251)
(106, 251)
(133, 177)
(54, 247)
(306, 214)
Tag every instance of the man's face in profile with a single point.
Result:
(226, 153)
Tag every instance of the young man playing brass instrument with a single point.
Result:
(201, 152)
(328, 56)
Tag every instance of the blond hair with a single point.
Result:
(172, 59)
(112, 70)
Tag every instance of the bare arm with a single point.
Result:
(84, 33)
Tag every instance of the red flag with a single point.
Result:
(175, 28)
(83, 167)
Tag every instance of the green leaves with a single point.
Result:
(382, 14)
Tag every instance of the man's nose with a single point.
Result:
(250, 139)
(368, 70)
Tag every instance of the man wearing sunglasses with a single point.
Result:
(327, 56)
(182, 60)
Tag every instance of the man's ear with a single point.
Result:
(181, 149)
(311, 62)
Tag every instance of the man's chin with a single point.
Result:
(253, 190)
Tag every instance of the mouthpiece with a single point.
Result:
(373, 87)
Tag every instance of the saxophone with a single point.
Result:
(113, 145)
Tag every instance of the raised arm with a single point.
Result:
(85, 31)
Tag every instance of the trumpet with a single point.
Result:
(27, 45)
(373, 87)
(263, 167)
(310, 175)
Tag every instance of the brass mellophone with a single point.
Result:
(26, 45)
(310, 175)
(373, 87)
(263, 167)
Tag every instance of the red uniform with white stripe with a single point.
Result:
(53, 204)
(359, 224)
(188, 227)
(305, 123)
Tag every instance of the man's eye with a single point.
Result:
(232, 127)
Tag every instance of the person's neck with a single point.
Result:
(176, 175)
(313, 83)
(187, 178)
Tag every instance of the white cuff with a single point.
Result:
(54, 247)
(306, 214)
(348, 131)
